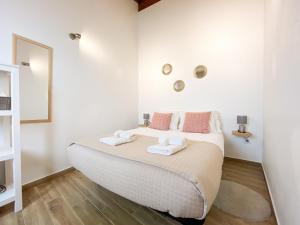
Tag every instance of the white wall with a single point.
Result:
(227, 37)
(281, 158)
(94, 80)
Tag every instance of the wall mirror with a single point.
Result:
(167, 69)
(35, 62)
(200, 72)
(179, 85)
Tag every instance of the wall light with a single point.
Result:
(74, 36)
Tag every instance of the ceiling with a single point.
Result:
(145, 3)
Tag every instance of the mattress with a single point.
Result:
(145, 184)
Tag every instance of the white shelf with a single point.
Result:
(6, 154)
(13, 172)
(7, 68)
(8, 196)
(5, 112)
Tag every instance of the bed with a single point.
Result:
(183, 185)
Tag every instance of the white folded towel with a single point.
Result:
(177, 141)
(114, 141)
(118, 132)
(123, 134)
(126, 134)
(165, 150)
(163, 140)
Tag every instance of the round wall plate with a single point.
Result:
(167, 69)
(179, 85)
(200, 72)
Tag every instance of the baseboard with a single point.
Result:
(271, 195)
(47, 178)
(243, 161)
(266, 178)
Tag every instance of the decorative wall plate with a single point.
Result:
(179, 85)
(200, 72)
(167, 69)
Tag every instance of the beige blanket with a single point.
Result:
(200, 163)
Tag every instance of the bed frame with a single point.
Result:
(185, 221)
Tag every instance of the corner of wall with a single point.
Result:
(271, 195)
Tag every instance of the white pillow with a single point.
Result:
(214, 122)
(174, 120)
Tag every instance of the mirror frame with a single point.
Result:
(17, 37)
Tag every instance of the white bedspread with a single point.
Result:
(125, 177)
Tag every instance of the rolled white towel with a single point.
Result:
(177, 141)
(118, 132)
(123, 134)
(126, 134)
(163, 140)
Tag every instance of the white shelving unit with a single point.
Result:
(5, 112)
(12, 155)
(6, 154)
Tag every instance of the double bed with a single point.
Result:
(183, 185)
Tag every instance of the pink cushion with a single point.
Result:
(161, 121)
(197, 122)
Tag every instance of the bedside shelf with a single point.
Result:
(8, 196)
(6, 154)
(142, 125)
(5, 112)
(243, 135)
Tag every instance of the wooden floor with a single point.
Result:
(72, 199)
(250, 175)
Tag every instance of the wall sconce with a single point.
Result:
(74, 36)
(25, 64)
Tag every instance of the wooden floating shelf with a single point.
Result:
(243, 135)
(142, 125)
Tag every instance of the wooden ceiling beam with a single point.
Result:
(143, 4)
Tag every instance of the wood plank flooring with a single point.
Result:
(72, 199)
(250, 175)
